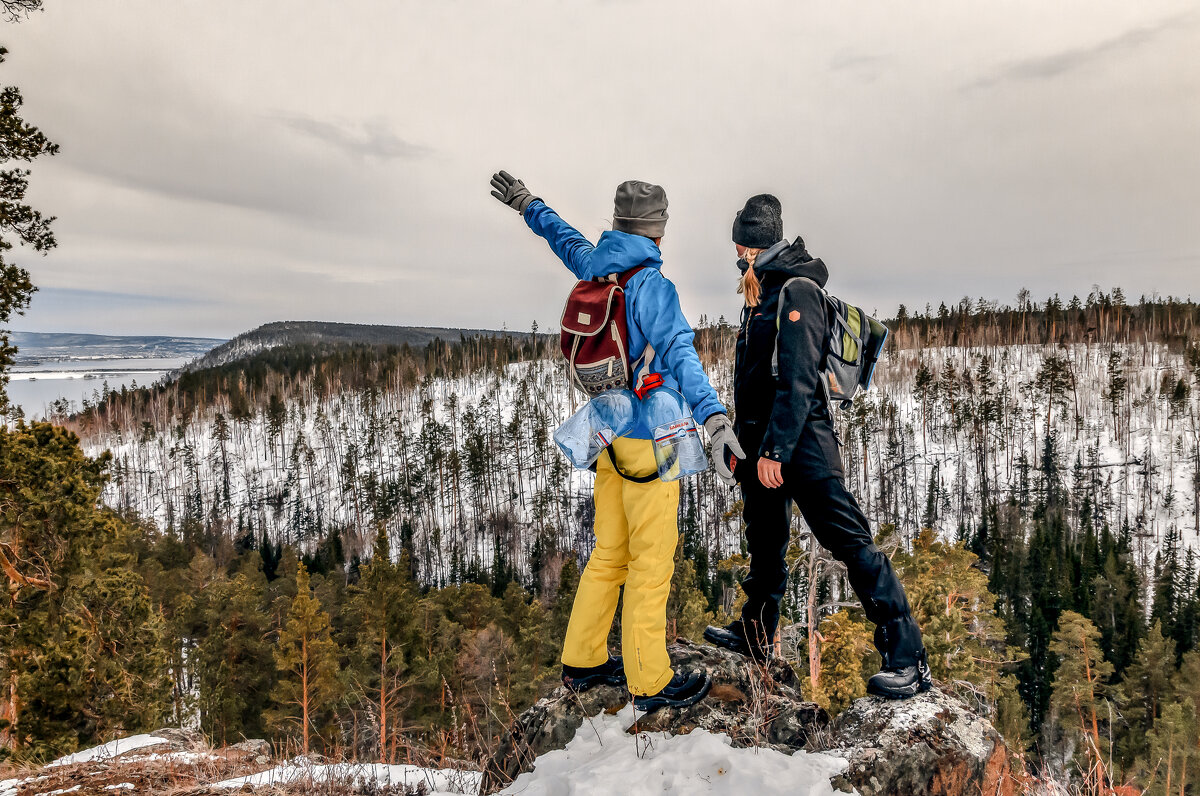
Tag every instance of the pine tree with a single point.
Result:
(1149, 681)
(687, 613)
(81, 649)
(1079, 696)
(235, 687)
(1172, 750)
(963, 634)
(564, 599)
(306, 658)
(20, 224)
(382, 607)
(845, 642)
(1187, 689)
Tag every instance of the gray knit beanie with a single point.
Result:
(640, 209)
(759, 225)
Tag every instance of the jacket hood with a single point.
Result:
(617, 252)
(796, 261)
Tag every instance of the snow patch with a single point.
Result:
(108, 750)
(439, 781)
(603, 758)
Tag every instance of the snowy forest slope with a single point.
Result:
(463, 469)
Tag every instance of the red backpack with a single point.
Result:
(595, 335)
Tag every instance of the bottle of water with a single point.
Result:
(585, 435)
(678, 450)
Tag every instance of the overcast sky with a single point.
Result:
(228, 163)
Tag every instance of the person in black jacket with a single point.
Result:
(785, 426)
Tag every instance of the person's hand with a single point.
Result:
(723, 448)
(511, 191)
(770, 472)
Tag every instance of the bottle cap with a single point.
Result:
(647, 384)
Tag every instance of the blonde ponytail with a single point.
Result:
(749, 285)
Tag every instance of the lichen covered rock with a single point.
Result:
(931, 744)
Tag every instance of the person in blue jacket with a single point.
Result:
(636, 520)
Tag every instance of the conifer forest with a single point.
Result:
(371, 551)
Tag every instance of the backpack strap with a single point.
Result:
(637, 479)
(640, 367)
(778, 310)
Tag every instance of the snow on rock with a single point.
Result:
(750, 707)
(110, 749)
(604, 758)
(369, 775)
(933, 744)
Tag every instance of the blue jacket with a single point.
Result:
(651, 304)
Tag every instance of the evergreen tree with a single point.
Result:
(845, 643)
(687, 613)
(382, 609)
(306, 658)
(1149, 681)
(20, 224)
(1172, 753)
(235, 687)
(1079, 697)
(81, 650)
(964, 636)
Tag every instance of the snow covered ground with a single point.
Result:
(438, 782)
(109, 750)
(605, 759)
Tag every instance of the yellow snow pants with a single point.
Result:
(637, 529)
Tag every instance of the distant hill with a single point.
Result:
(282, 333)
(34, 347)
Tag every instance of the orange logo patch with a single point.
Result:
(794, 316)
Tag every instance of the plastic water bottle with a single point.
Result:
(589, 431)
(678, 450)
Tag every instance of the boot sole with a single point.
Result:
(742, 650)
(651, 704)
(919, 687)
(581, 684)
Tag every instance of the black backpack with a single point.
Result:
(853, 345)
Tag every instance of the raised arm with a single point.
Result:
(565, 241)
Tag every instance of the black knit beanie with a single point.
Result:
(759, 225)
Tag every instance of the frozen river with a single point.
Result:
(34, 387)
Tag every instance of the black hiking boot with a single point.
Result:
(578, 679)
(901, 682)
(733, 637)
(685, 688)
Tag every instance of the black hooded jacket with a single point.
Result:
(786, 419)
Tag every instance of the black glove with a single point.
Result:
(511, 191)
(724, 449)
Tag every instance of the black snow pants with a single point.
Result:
(838, 523)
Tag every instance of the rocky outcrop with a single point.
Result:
(754, 706)
(931, 744)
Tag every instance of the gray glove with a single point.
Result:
(511, 191)
(724, 449)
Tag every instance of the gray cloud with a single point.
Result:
(336, 167)
(866, 67)
(369, 139)
(1060, 63)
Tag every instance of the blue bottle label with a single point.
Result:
(674, 429)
